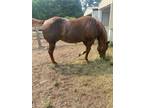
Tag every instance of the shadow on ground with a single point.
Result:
(80, 67)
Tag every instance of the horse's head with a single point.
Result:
(102, 49)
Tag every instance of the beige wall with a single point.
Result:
(104, 3)
(106, 7)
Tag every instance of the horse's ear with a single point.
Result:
(108, 42)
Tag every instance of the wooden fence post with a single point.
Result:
(38, 38)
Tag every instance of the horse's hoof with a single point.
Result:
(106, 59)
(55, 64)
(79, 55)
(87, 62)
(111, 63)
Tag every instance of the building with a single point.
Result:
(104, 13)
(92, 11)
(106, 16)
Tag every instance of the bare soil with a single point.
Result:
(74, 83)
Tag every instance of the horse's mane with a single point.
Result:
(103, 31)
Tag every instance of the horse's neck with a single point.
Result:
(102, 36)
(102, 39)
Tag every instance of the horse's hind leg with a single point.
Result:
(50, 51)
(88, 48)
(82, 53)
(88, 45)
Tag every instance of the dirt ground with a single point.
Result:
(74, 83)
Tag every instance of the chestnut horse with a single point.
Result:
(84, 29)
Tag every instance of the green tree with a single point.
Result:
(43, 9)
(89, 3)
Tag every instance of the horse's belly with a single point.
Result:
(72, 39)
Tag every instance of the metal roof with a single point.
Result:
(89, 10)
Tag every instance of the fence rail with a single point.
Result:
(37, 36)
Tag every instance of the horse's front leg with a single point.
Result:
(50, 51)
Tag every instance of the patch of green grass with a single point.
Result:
(56, 84)
(48, 104)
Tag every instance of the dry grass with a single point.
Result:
(74, 83)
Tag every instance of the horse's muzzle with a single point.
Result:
(103, 56)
